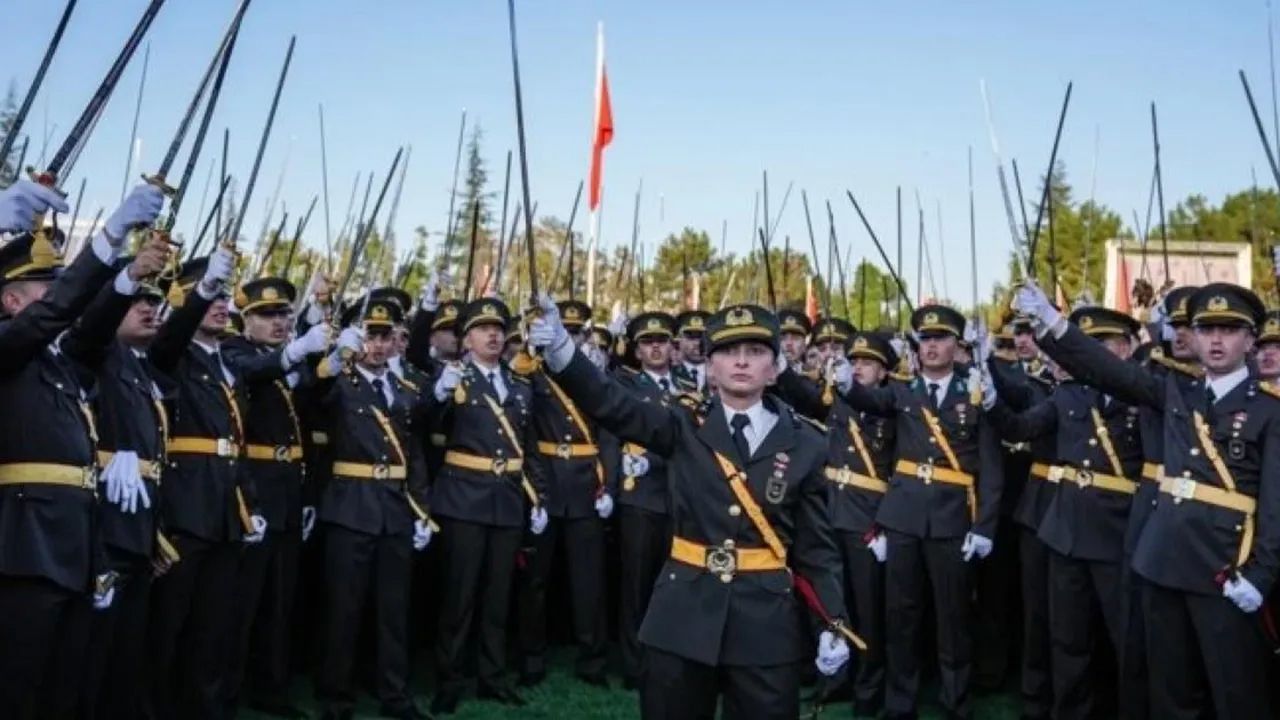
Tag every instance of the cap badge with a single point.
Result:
(738, 316)
(1217, 303)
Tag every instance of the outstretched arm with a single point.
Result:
(616, 409)
(1092, 364)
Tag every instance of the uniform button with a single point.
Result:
(567, 437)
(734, 510)
(672, 576)
(933, 441)
(1093, 442)
(850, 448)
(1195, 451)
(1085, 463)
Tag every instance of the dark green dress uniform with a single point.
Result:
(643, 503)
(206, 504)
(1215, 518)
(724, 618)
(1099, 459)
(569, 451)
(377, 490)
(481, 498)
(130, 417)
(1015, 577)
(47, 484)
(946, 483)
(274, 452)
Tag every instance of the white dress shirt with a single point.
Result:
(1224, 384)
(762, 421)
(494, 375)
(386, 379)
(699, 373)
(659, 379)
(211, 349)
(942, 384)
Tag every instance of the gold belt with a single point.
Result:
(276, 453)
(221, 447)
(319, 438)
(845, 476)
(1188, 489)
(467, 461)
(927, 474)
(1088, 478)
(1046, 472)
(149, 469)
(565, 450)
(367, 471)
(35, 473)
(726, 559)
(1152, 471)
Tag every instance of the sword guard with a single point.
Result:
(157, 180)
(45, 178)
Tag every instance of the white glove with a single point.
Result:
(538, 520)
(314, 314)
(122, 468)
(140, 207)
(308, 521)
(1242, 592)
(352, 339)
(596, 356)
(988, 389)
(23, 200)
(618, 323)
(102, 600)
(1031, 300)
(975, 545)
(430, 299)
(833, 653)
(549, 333)
(216, 274)
(604, 506)
(421, 535)
(259, 529)
(634, 465)
(842, 374)
(879, 546)
(450, 378)
(135, 491)
(315, 340)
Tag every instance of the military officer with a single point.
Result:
(271, 367)
(691, 369)
(1099, 455)
(640, 484)
(577, 504)
(208, 503)
(1208, 551)
(749, 505)
(794, 329)
(48, 439)
(1267, 352)
(941, 509)
(109, 342)
(485, 412)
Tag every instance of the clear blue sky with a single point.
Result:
(831, 94)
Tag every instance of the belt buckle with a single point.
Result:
(381, 472)
(722, 561)
(924, 471)
(499, 465)
(282, 453)
(1084, 478)
(224, 447)
(1055, 473)
(1183, 489)
(89, 479)
(563, 451)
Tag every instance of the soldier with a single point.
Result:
(374, 509)
(48, 440)
(644, 524)
(577, 504)
(271, 367)
(749, 506)
(941, 509)
(794, 330)
(206, 501)
(1099, 453)
(1267, 353)
(109, 342)
(691, 369)
(486, 414)
(1208, 551)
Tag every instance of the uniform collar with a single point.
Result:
(1226, 383)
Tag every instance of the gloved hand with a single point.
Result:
(450, 378)
(604, 506)
(134, 492)
(986, 386)
(833, 653)
(22, 201)
(104, 591)
(308, 521)
(118, 473)
(618, 323)
(351, 339)
(421, 535)
(1242, 592)
(1030, 300)
(538, 520)
(315, 340)
(259, 530)
(842, 374)
(141, 207)
(596, 355)
(216, 274)
(314, 314)
(635, 465)
(975, 545)
(548, 332)
(879, 547)
(430, 299)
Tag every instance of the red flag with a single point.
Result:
(603, 134)
(810, 300)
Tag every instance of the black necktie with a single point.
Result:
(933, 395)
(664, 384)
(493, 383)
(377, 389)
(1210, 395)
(739, 422)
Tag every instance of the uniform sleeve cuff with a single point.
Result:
(125, 285)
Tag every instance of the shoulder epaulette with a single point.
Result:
(812, 423)
(520, 378)
(902, 377)
(413, 387)
(1269, 388)
(628, 370)
(1185, 368)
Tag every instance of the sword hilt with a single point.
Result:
(158, 181)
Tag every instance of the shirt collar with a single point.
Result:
(211, 349)
(1226, 383)
(943, 383)
(369, 375)
(757, 413)
(657, 378)
(396, 364)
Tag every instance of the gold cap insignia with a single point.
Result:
(1086, 322)
(696, 322)
(1182, 306)
(860, 344)
(489, 310)
(1272, 326)
(450, 311)
(270, 294)
(1217, 303)
(378, 312)
(653, 324)
(737, 316)
(571, 313)
(931, 318)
